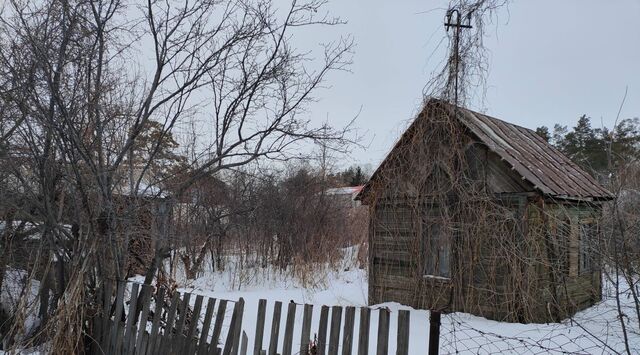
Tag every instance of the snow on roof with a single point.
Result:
(348, 190)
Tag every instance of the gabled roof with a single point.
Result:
(535, 160)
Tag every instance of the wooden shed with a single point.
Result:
(470, 213)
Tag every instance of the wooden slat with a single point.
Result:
(119, 348)
(142, 349)
(334, 333)
(142, 321)
(155, 326)
(383, 332)
(403, 333)
(363, 334)
(195, 319)
(202, 347)
(232, 343)
(347, 334)
(288, 330)
(262, 313)
(103, 334)
(243, 344)
(275, 328)
(238, 326)
(116, 318)
(168, 329)
(306, 329)
(322, 331)
(129, 330)
(217, 328)
(106, 307)
(171, 316)
(183, 313)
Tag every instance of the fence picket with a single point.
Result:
(175, 299)
(306, 329)
(238, 327)
(142, 322)
(334, 333)
(275, 328)
(231, 344)
(322, 331)
(243, 344)
(183, 309)
(403, 333)
(217, 328)
(347, 335)
(103, 339)
(193, 324)
(142, 349)
(155, 326)
(383, 332)
(288, 330)
(116, 318)
(168, 329)
(129, 330)
(262, 313)
(202, 346)
(363, 334)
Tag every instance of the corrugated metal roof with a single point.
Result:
(537, 161)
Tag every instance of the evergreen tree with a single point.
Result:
(543, 131)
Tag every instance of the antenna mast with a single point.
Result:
(456, 20)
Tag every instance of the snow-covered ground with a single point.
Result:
(594, 331)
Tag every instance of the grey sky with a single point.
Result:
(550, 61)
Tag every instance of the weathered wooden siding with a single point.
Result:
(518, 290)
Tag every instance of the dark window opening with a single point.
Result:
(436, 249)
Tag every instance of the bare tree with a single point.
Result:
(77, 101)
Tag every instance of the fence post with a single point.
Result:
(434, 332)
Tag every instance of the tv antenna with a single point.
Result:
(457, 21)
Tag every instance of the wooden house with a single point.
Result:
(470, 213)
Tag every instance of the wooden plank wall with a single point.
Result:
(143, 322)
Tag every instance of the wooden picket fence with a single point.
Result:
(183, 329)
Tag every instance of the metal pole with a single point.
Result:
(434, 332)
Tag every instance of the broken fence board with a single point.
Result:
(243, 344)
(239, 308)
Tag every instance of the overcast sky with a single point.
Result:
(550, 61)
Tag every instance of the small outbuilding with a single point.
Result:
(473, 214)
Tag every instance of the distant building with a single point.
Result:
(346, 196)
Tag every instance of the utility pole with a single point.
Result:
(456, 20)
